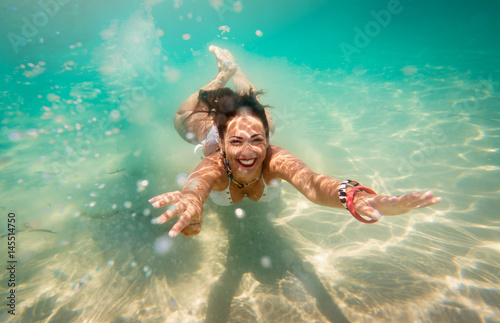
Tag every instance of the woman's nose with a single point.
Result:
(247, 148)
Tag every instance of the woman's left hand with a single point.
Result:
(374, 206)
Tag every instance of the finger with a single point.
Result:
(183, 221)
(423, 198)
(433, 201)
(369, 211)
(165, 199)
(178, 208)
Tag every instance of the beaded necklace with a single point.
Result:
(230, 174)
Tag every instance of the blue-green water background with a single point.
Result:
(88, 95)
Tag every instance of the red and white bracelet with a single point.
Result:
(350, 202)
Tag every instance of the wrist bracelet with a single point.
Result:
(343, 190)
(350, 203)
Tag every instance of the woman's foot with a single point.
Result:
(223, 62)
(241, 82)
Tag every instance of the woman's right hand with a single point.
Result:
(188, 208)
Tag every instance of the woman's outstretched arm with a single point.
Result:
(188, 204)
(323, 190)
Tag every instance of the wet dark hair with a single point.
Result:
(223, 104)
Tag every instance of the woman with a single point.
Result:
(234, 129)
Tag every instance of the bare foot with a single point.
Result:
(223, 62)
(241, 82)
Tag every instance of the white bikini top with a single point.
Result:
(223, 198)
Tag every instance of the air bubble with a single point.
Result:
(163, 245)
(181, 179)
(240, 213)
(265, 262)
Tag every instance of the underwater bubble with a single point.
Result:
(274, 183)
(160, 32)
(92, 203)
(265, 262)
(69, 197)
(93, 194)
(14, 136)
(114, 115)
(144, 182)
(190, 135)
(110, 263)
(163, 245)
(114, 206)
(186, 36)
(133, 264)
(259, 33)
(64, 242)
(101, 186)
(198, 19)
(171, 74)
(190, 15)
(53, 97)
(33, 133)
(133, 215)
(237, 6)
(137, 153)
(127, 204)
(19, 181)
(224, 29)
(181, 179)
(146, 212)
(240, 213)
(78, 186)
(145, 268)
(149, 273)
(77, 213)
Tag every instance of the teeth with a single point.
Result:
(247, 162)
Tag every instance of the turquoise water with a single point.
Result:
(401, 96)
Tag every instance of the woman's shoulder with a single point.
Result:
(280, 163)
(276, 153)
(277, 159)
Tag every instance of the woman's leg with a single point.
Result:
(243, 85)
(195, 129)
(307, 275)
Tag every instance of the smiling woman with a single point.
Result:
(234, 129)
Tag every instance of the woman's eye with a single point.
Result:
(258, 141)
(235, 142)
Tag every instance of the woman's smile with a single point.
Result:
(247, 162)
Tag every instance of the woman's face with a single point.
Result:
(245, 144)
